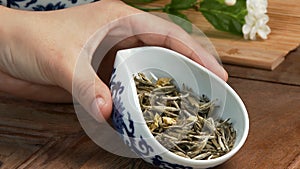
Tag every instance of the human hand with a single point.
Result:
(40, 50)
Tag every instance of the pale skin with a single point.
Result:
(39, 50)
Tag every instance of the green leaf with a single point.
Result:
(182, 4)
(223, 17)
(138, 1)
(181, 20)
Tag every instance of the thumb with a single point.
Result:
(91, 92)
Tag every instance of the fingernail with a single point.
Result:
(225, 74)
(222, 73)
(96, 109)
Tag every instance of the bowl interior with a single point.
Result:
(166, 63)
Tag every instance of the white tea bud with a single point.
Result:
(230, 2)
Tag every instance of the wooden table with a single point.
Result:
(39, 135)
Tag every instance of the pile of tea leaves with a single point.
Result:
(181, 121)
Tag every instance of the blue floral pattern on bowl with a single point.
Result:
(49, 7)
(159, 162)
(43, 5)
(141, 148)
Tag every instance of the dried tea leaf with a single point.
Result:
(181, 121)
(163, 81)
(169, 120)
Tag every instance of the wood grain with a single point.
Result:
(265, 54)
(49, 119)
(13, 153)
(287, 73)
(273, 140)
(39, 135)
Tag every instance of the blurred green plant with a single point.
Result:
(224, 17)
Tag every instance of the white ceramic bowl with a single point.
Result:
(127, 115)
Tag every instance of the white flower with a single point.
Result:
(256, 20)
(257, 6)
(230, 2)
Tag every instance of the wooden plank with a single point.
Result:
(68, 152)
(272, 143)
(100, 161)
(38, 153)
(274, 125)
(237, 56)
(26, 126)
(13, 154)
(287, 7)
(37, 106)
(274, 122)
(34, 121)
(287, 73)
(267, 54)
(78, 151)
(273, 140)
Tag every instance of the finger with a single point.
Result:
(193, 50)
(91, 92)
(172, 36)
(32, 91)
(106, 65)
